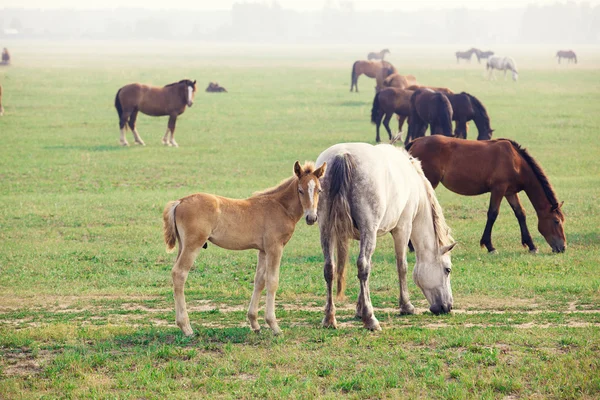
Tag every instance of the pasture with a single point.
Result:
(86, 301)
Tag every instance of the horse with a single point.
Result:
(466, 107)
(168, 100)
(5, 57)
(265, 222)
(214, 87)
(483, 55)
(444, 90)
(370, 69)
(388, 101)
(465, 55)
(386, 70)
(501, 167)
(369, 191)
(429, 107)
(1, 108)
(399, 81)
(568, 54)
(502, 64)
(378, 56)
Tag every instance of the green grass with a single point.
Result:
(86, 306)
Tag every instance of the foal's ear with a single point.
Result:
(321, 170)
(298, 170)
(446, 249)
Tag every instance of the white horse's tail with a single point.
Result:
(169, 226)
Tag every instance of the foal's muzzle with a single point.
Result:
(311, 219)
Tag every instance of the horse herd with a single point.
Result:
(361, 191)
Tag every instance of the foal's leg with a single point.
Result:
(136, 135)
(259, 285)
(368, 240)
(526, 239)
(272, 280)
(401, 236)
(492, 214)
(179, 273)
(329, 320)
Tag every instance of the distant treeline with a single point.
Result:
(263, 23)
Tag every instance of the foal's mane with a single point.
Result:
(441, 229)
(540, 175)
(307, 168)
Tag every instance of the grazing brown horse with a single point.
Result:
(444, 90)
(1, 108)
(372, 69)
(501, 167)
(568, 54)
(465, 108)
(168, 100)
(5, 57)
(214, 87)
(465, 55)
(388, 101)
(399, 81)
(429, 108)
(378, 56)
(265, 222)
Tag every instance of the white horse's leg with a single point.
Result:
(329, 320)
(179, 275)
(368, 240)
(272, 280)
(165, 139)
(259, 285)
(401, 236)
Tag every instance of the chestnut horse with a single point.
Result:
(568, 54)
(388, 101)
(429, 108)
(465, 108)
(501, 167)
(373, 69)
(399, 81)
(378, 56)
(264, 222)
(168, 100)
(1, 108)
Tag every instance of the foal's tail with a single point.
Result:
(169, 226)
(375, 109)
(118, 105)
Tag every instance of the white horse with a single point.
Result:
(372, 190)
(502, 64)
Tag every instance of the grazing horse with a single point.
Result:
(568, 54)
(378, 56)
(1, 108)
(388, 101)
(399, 81)
(502, 64)
(214, 87)
(372, 69)
(265, 222)
(465, 55)
(168, 100)
(501, 167)
(465, 108)
(429, 108)
(369, 191)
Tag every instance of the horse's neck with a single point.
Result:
(287, 196)
(423, 235)
(534, 190)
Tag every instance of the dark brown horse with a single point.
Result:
(483, 55)
(168, 100)
(466, 108)
(501, 167)
(465, 55)
(387, 102)
(568, 54)
(379, 55)
(429, 108)
(214, 87)
(373, 69)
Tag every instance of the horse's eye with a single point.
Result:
(557, 222)
(320, 190)
(300, 191)
(448, 270)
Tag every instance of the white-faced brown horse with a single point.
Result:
(168, 100)
(568, 54)
(373, 69)
(378, 55)
(265, 222)
(501, 167)
(431, 108)
(387, 102)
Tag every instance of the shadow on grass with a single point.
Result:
(353, 103)
(99, 148)
(215, 336)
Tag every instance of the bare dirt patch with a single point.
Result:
(24, 363)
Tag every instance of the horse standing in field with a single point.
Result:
(369, 191)
(378, 56)
(5, 57)
(265, 222)
(465, 55)
(372, 69)
(465, 108)
(399, 81)
(483, 55)
(568, 54)
(388, 101)
(502, 64)
(501, 167)
(429, 108)
(168, 100)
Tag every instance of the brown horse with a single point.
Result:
(429, 108)
(214, 87)
(373, 69)
(465, 108)
(168, 100)
(388, 101)
(501, 167)
(1, 108)
(265, 222)
(378, 56)
(444, 90)
(399, 81)
(568, 54)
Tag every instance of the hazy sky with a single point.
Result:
(300, 5)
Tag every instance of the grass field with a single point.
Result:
(86, 305)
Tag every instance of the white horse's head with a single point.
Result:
(515, 75)
(433, 278)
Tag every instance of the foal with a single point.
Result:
(264, 222)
